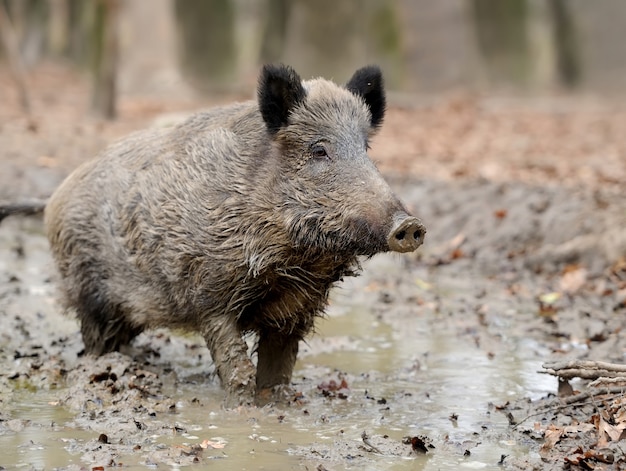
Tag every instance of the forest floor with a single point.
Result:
(524, 200)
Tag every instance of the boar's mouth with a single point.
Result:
(364, 238)
(352, 236)
(355, 236)
(403, 234)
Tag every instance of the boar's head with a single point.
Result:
(333, 197)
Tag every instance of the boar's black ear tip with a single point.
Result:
(280, 90)
(371, 70)
(277, 70)
(367, 82)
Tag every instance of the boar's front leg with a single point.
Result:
(230, 355)
(277, 354)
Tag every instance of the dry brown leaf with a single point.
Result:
(551, 437)
(572, 280)
(456, 254)
(47, 161)
(500, 213)
(213, 444)
(547, 304)
(620, 417)
(606, 432)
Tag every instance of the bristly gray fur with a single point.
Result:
(224, 225)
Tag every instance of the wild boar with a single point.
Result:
(238, 220)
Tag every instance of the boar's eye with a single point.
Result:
(319, 152)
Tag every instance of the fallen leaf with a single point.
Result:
(332, 388)
(606, 432)
(47, 161)
(213, 444)
(423, 284)
(456, 254)
(572, 280)
(551, 437)
(550, 298)
(547, 302)
(500, 213)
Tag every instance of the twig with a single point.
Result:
(366, 440)
(603, 380)
(575, 400)
(597, 392)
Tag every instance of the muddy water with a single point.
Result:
(416, 362)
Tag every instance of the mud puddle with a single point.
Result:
(431, 383)
(412, 369)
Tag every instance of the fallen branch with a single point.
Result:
(27, 208)
(585, 369)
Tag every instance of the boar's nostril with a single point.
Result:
(406, 235)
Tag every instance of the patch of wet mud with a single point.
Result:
(426, 361)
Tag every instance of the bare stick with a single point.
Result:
(585, 369)
(24, 209)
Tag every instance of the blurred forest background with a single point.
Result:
(216, 46)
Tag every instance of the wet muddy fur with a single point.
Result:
(239, 220)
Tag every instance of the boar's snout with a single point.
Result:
(407, 233)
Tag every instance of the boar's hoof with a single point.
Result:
(235, 399)
(407, 234)
(281, 394)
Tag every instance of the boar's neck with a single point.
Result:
(287, 296)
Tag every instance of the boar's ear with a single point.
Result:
(367, 83)
(280, 90)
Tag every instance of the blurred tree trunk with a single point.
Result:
(566, 43)
(105, 51)
(29, 18)
(275, 34)
(323, 37)
(149, 63)
(599, 28)
(80, 22)
(249, 28)
(383, 36)
(207, 50)
(440, 47)
(544, 74)
(501, 32)
(58, 27)
(10, 43)
(330, 38)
